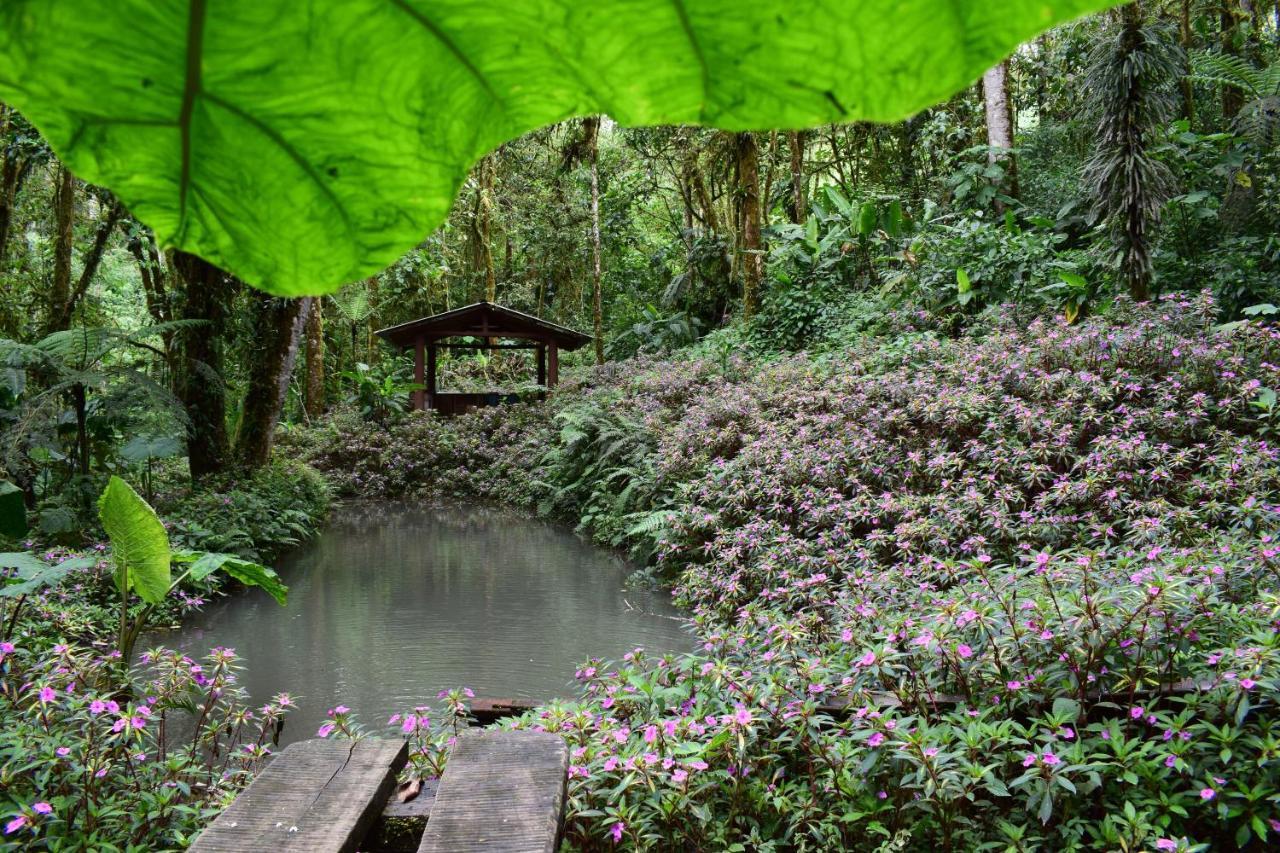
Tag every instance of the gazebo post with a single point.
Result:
(553, 365)
(542, 365)
(418, 397)
(431, 373)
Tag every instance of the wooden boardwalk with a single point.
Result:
(318, 795)
(501, 791)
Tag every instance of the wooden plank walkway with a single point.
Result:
(320, 796)
(502, 792)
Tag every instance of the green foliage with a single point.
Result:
(13, 511)
(256, 517)
(378, 392)
(139, 543)
(188, 121)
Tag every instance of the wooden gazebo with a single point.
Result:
(488, 323)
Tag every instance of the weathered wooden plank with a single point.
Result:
(317, 795)
(485, 710)
(502, 792)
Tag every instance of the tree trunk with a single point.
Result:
(1232, 98)
(799, 202)
(314, 399)
(748, 157)
(995, 94)
(92, 260)
(64, 210)
(277, 326)
(1188, 91)
(207, 294)
(591, 135)
(482, 254)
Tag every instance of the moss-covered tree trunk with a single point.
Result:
(799, 202)
(64, 218)
(314, 397)
(748, 197)
(277, 330)
(591, 136)
(204, 293)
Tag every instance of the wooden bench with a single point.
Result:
(501, 791)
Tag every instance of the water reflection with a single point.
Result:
(393, 603)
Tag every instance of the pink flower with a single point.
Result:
(409, 724)
(1051, 759)
(16, 824)
(1136, 712)
(876, 739)
(846, 635)
(1029, 759)
(325, 730)
(741, 715)
(1166, 844)
(1248, 683)
(1170, 760)
(616, 831)
(867, 659)
(964, 651)
(1207, 793)
(42, 808)
(610, 764)
(47, 695)
(679, 775)
(650, 734)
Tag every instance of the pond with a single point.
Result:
(393, 603)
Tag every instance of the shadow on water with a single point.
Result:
(394, 602)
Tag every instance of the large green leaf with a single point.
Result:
(24, 573)
(13, 511)
(139, 543)
(301, 144)
(248, 573)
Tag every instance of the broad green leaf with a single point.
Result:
(13, 512)
(32, 574)
(144, 447)
(963, 285)
(301, 144)
(248, 573)
(139, 543)
(1075, 280)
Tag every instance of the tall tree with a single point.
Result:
(92, 260)
(591, 139)
(1229, 20)
(999, 109)
(799, 203)
(1130, 88)
(64, 218)
(748, 199)
(277, 329)
(205, 293)
(313, 399)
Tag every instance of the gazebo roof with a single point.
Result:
(484, 320)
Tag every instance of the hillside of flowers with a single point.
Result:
(1011, 591)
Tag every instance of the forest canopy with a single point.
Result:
(243, 131)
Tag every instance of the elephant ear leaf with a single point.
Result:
(244, 129)
(13, 511)
(248, 573)
(139, 543)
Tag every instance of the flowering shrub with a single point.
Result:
(1006, 592)
(88, 765)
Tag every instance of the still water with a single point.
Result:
(393, 603)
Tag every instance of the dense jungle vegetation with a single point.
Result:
(957, 438)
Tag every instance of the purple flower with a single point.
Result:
(42, 808)
(17, 823)
(47, 695)
(325, 730)
(1207, 793)
(616, 831)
